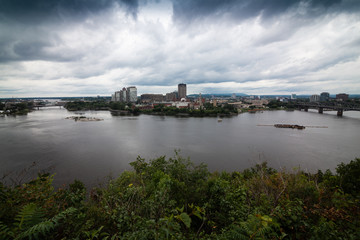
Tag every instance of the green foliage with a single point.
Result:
(256, 227)
(184, 218)
(349, 176)
(30, 223)
(276, 104)
(117, 105)
(172, 198)
(16, 108)
(88, 105)
(207, 110)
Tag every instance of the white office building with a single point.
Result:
(117, 96)
(125, 95)
(131, 94)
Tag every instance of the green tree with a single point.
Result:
(349, 176)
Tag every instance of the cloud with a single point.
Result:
(30, 29)
(37, 11)
(189, 11)
(96, 47)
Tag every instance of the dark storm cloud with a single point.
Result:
(32, 49)
(20, 42)
(189, 10)
(42, 10)
(26, 25)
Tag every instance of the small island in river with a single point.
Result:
(84, 119)
(289, 126)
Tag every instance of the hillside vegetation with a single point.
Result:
(175, 199)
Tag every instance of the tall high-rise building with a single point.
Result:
(293, 96)
(131, 94)
(117, 96)
(182, 90)
(324, 96)
(123, 95)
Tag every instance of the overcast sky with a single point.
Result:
(95, 47)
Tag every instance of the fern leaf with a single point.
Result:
(44, 227)
(5, 232)
(28, 216)
(63, 214)
(33, 232)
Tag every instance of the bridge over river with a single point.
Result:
(340, 107)
(38, 105)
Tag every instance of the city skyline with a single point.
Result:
(173, 91)
(55, 48)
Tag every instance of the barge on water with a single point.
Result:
(289, 126)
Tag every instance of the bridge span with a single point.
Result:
(340, 107)
(55, 104)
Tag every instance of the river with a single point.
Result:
(91, 151)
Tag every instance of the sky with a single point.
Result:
(51, 48)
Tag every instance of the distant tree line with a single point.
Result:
(205, 111)
(16, 108)
(87, 105)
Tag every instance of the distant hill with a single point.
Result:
(209, 95)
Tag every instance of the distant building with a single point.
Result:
(117, 96)
(233, 96)
(172, 97)
(324, 96)
(239, 105)
(125, 95)
(201, 101)
(315, 98)
(342, 96)
(131, 94)
(214, 102)
(181, 104)
(152, 98)
(293, 96)
(259, 103)
(182, 90)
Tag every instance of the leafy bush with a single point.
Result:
(172, 198)
(349, 176)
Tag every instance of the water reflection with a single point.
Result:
(91, 150)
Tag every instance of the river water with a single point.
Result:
(91, 151)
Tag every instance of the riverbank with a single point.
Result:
(16, 112)
(16, 108)
(190, 114)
